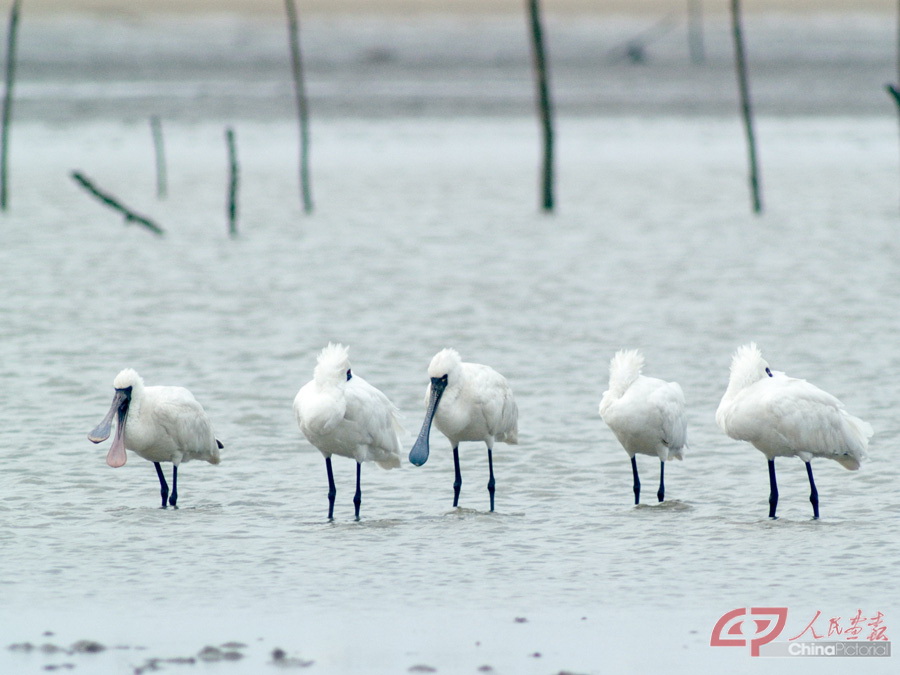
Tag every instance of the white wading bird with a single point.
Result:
(786, 417)
(342, 414)
(646, 415)
(468, 402)
(161, 424)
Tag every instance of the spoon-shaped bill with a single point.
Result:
(116, 456)
(419, 453)
(101, 431)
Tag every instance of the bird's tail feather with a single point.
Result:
(392, 462)
(857, 433)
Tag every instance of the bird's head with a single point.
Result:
(624, 368)
(128, 379)
(748, 366)
(333, 365)
(445, 366)
(128, 385)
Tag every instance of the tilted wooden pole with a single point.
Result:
(891, 88)
(11, 35)
(746, 111)
(545, 105)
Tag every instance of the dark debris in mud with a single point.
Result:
(281, 659)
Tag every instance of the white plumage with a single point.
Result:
(645, 413)
(783, 417)
(158, 423)
(467, 402)
(342, 414)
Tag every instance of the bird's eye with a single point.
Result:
(349, 374)
(769, 372)
(444, 379)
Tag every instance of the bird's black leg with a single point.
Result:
(331, 489)
(813, 494)
(163, 485)
(457, 482)
(491, 482)
(357, 498)
(773, 489)
(174, 496)
(637, 481)
(662, 485)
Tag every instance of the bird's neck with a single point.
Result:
(738, 383)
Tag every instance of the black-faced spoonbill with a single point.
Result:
(161, 424)
(468, 402)
(786, 417)
(646, 415)
(342, 414)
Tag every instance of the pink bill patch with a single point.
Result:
(116, 456)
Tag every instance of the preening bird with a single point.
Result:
(785, 417)
(342, 414)
(161, 424)
(646, 415)
(467, 402)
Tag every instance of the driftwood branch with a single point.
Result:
(894, 92)
(113, 203)
(7, 101)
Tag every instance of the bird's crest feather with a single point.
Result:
(747, 366)
(624, 368)
(332, 364)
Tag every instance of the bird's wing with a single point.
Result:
(318, 411)
(371, 418)
(668, 401)
(491, 393)
(809, 419)
(177, 411)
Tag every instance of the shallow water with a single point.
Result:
(426, 235)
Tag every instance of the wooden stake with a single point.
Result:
(159, 150)
(232, 181)
(891, 89)
(695, 32)
(302, 108)
(744, 86)
(544, 104)
(11, 34)
(113, 203)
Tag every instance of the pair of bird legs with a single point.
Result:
(773, 487)
(457, 481)
(661, 493)
(164, 486)
(773, 491)
(357, 498)
(332, 491)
